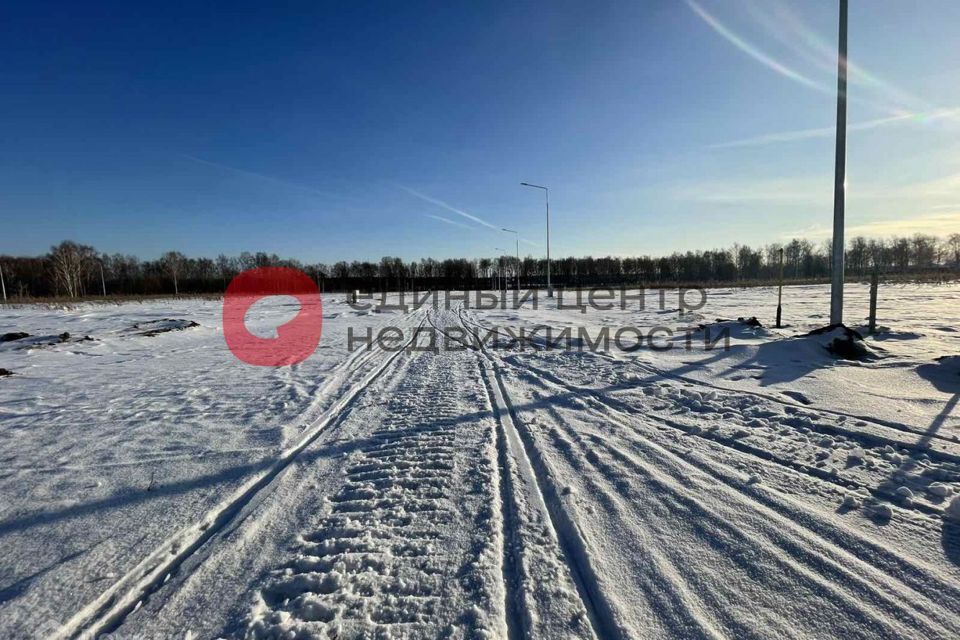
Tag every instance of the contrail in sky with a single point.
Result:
(266, 178)
(459, 212)
(448, 207)
(829, 132)
(449, 221)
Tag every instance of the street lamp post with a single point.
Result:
(517, 234)
(780, 291)
(546, 193)
(840, 172)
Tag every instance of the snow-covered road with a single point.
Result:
(484, 489)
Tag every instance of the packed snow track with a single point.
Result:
(462, 484)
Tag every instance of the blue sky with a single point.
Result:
(337, 130)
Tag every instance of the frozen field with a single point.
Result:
(153, 486)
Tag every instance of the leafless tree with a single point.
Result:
(857, 255)
(173, 262)
(924, 250)
(953, 246)
(71, 264)
(900, 252)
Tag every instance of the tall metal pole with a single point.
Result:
(840, 173)
(518, 261)
(517, 235)
(780, 290)
(546, 193)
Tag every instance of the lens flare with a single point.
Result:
(753, 51)
(782, 23)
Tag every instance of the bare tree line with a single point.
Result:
(74, 270)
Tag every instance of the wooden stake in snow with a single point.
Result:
(874, 285)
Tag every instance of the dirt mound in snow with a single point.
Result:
(26, 341)
(16, 335)
(843, 342)
(739, 328)
(5, 372)
(156, 327)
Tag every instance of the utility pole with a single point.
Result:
(518, 262)
(840, 174)
(780, 290)
(546, 193)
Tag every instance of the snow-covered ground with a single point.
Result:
(153, 486)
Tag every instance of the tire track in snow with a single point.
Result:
(408, 545)
(625, 415)
(948, 445)
(868, 582)
(937, 444)
(881, 492)
(533, 557)
(536, 565)
(128, 593)
(798, 560)
(863, 567)
(342, 375)
(673, 605)
(541, 595)
(512, 569)
(603, 620)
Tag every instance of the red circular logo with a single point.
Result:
(295, 340)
